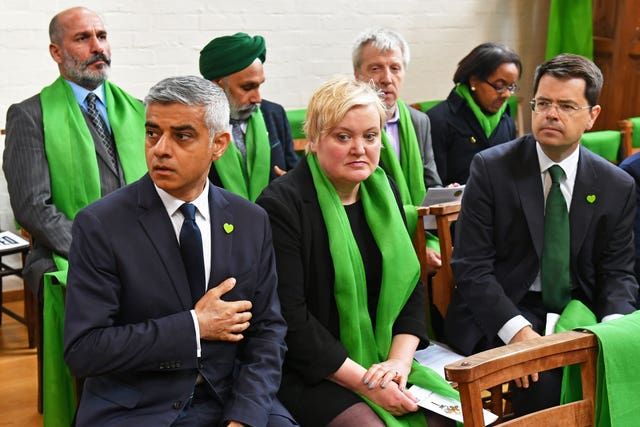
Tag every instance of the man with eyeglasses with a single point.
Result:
(544, 222)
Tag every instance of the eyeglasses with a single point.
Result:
(541, 106)
(502, 88)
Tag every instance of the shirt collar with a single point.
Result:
(568, 165)
(80, 93)
(172, 204)
(395, 117)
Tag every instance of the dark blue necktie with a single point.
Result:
(191, 251)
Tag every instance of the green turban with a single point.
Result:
(229, 54)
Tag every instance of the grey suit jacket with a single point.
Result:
(499, 235)
(422, 127)
(26, 169)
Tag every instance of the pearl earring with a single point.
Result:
(473, 88)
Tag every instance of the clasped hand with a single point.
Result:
(221, 320)
(386, 386)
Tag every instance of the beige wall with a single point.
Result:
(307, 42)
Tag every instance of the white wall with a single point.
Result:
(307, 42)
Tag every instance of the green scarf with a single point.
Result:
(488, 122)
(367, 346)
(248, 181)
(75, 183)
(408, 173)
(618, 379)
(70, 149)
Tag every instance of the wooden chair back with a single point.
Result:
(442, 281)
(626, 129)
(491, 368)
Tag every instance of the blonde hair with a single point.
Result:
(333, 100)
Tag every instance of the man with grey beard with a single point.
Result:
(77, 140)
(262, 146)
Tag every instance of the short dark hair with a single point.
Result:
(483, 60)
(569, 66)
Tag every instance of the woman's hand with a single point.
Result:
(391, 370)
(397, 402)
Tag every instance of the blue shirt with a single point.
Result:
(81, 93)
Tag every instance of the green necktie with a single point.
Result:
(554, 268)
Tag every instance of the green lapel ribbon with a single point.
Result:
(488, 122)
(617, 403)
(70, 147)
(365, 345)
(248, 181)
(75, 183)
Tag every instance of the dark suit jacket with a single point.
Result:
(631, 165)
(282, 153)
(499, 237)
(305, 282)
(27, 172)
(457, 136)
(128, 328)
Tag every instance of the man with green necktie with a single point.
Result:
(544, 221)
(262, 146)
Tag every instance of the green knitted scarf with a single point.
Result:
(248, 181)
(489, 122)
(365, 344)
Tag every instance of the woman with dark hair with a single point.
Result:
(475, 116)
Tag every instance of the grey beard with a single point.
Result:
(243, 113)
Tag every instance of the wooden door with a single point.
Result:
(616, 50)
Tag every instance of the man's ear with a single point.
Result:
(593, 115)
(56, 53)
(219, 145)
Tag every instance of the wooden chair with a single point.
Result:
(492, 368)
(613, 145)
(442, 281)
(630, 139)
(497, 400)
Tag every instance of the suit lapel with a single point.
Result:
(158, 228)
(586, 186)
(529, 187)
(221, 236)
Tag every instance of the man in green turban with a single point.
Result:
(262, 146)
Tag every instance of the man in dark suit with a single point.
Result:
(165, 339)
(631, 165)
(262, 146)
(58, 158)
(502, 293)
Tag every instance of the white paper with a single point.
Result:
(445, 406)
(8, 241)
(440, 195)
(437, 356)
(550, 326)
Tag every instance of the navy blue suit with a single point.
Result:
(128, 327)
(282, 153)
(499, 236)
(631, 165)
